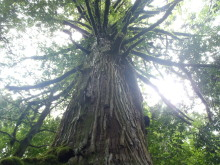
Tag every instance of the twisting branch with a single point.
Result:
(176, 111)
(19, 141)
(10, 119)
(170, 63)
(116, 3)
(171, 34)
(33, 146)
(168, 12)
(48, 91)
(45, 57)
(106, 13)
(129, 14)
(145, 72)
(78, 46)
(84, 32)
(126, 21)
(198, 92)
(10, 136)
(119, 6)
(80, 23)
(25, 142)
(20, 120)
(81, 11)
(138, 11)
(91, 17)
(126, 53)
(184, 34)
(64, 92)
(46, 83)
(166, 33)
(52, 98)
(148, 14)
(46, 130)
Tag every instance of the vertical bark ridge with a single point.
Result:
(103, 123)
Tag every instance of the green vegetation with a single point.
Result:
(171, 141)
(48, 59)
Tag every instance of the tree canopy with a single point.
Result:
(46, 46)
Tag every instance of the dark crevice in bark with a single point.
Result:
(103, 124)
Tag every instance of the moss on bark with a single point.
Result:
(103, 123)
(11, 161)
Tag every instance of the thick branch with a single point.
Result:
(119, 6)
(138, 11)
(97, 14)
(82, 24)
(19, 141)
(166, 33)
(116, 3)
(91, 17)
(45, 83)
(10, 136)
(20, 120)
(198, 92)
(106, 13)
(183, 34)
(168, 12)
(46, 130)
(81, 11)
(84, 32)
(176, 111)
(34, 129)
(129, 14)
(171, 34)
(45, 57)
(132, 47)
(33, 146)
(64, 92)
(170, 63)
(78, 46)
(148, 14)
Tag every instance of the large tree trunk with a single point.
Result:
(103, 124)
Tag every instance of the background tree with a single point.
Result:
(96, 77)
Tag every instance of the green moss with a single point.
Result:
(51, 151)
(11, 161)
(30, 160)
(49, 159)
(54, 156)
(44, 160)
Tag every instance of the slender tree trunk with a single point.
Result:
(103, 124)
(24, 143)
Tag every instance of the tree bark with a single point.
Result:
(103, 123)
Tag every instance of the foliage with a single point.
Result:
(10, 113)
(154, 47)
(171, 141)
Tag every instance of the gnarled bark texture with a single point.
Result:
(103, 124)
